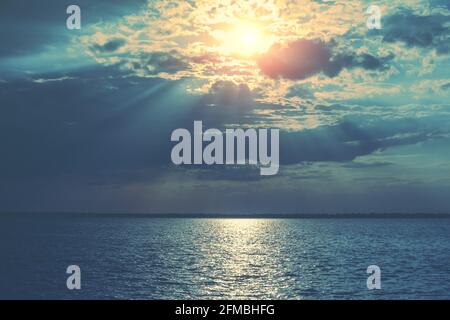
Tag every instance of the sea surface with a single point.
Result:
(152, 258)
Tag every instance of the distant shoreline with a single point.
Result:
(231, 216)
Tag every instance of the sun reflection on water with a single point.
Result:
(245, 257)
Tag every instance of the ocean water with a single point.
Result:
(149, 258)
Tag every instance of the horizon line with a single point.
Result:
(231, 215)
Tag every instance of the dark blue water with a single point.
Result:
(145, 258)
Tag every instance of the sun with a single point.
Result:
(245, 39)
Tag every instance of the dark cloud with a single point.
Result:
(31, 26)
(341, 143)
(446, 86)
(98, 133)
(109, 47)
(431, 31)
(226, 102)
(103, 131)
(348, 140)
(126, 132)
(147, 63)
(158, 62)
(296, 60)
(363, 165)
(229, 93)
(304, 58)
(67, 141)
(330, 108)
(300, 91)
(440, 3)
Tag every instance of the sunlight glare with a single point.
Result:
(245, 39)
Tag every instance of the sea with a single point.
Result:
(189, 258)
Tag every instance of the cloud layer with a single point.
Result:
(424, 31)
(304, 58)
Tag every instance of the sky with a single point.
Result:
(86, 115)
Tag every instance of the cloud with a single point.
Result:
(446, 86)
(42, 80)
(431, 31)
(348, 140)
(225, 92)
(304, 58)
(440, 3)
(81, 135)
(235, 173)
(225, 103)
(109, 46)
(299, 91)
(155, 63)
(365, 165)
(118, 143)
(115, 50)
